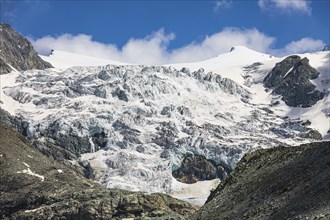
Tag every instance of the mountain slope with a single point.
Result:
(33, 186)
(17, 52)
(137, 124)
(277, 183)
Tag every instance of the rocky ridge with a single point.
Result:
(17, 52)
(326, 48)
(291, 79)
(277, 183)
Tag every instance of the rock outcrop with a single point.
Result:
(326, 48)
(34, 186)
(196, 168)
(291, 79)
(277, 183)
(17, 52)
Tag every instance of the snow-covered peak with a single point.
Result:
(241, 48)
(228, 64)
(62, 59)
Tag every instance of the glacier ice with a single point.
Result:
(134, 124)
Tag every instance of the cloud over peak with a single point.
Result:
(154, 48)
(303, 45)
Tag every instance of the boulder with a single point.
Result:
(197, 168)
(291, 78)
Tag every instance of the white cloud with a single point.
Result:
(303, 45)
(286, 5)
(149, 50)
(223, 4)
(221, 42)
(154, 48)
(81, 43)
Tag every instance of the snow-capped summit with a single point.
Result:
(228, 64)
(62, 59)
(238, 56)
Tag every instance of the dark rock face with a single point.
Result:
(11, 121)
(100, 139)
(34, 186)
(195, 168)
(72, 143)
(326, 48)
(291, 79)
(17, 51)
(120, 94)
(279, 71)
(277, 183)
(4, 68)
(52, 151)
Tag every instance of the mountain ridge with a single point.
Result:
(17, 53)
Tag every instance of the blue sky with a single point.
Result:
(165, 31)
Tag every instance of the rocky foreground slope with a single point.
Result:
(277, 183)
(33, 186)
(17, 53)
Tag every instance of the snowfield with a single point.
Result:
(134, 124)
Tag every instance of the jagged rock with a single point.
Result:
(277, 183)
(4, 67)
(326, 48)
(167, 110)
(75, 144)
(226, 116)
(120, 94)
(233, 88)
(280, 70)
(17, 52)
(166, 134)
(313, 134)
(185, 111)
(100, 140)
(129, 135)
(196, 168)
(291, 79)
(33, 186)
(11, 121)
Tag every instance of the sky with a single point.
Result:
(170, 31)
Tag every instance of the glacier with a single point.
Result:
(134, 124)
